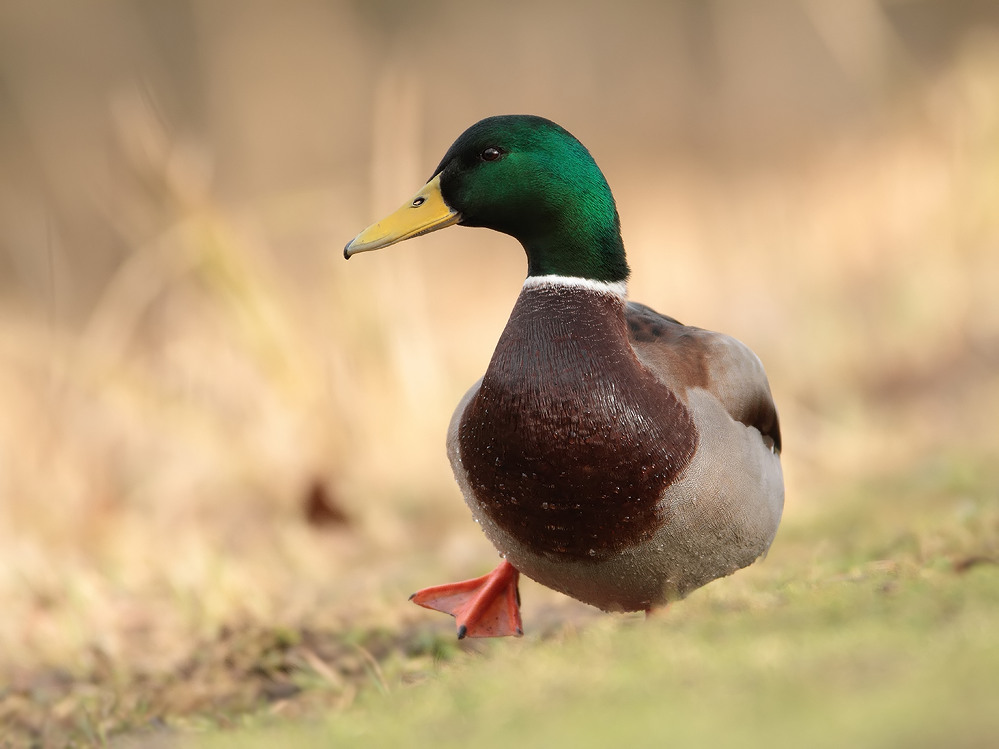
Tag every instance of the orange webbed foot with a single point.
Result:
(488, 606)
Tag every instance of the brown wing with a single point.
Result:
(683, 357)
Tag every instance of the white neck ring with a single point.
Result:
(613, 288)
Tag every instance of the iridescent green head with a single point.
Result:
(527, 177)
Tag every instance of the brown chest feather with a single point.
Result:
(570, 442)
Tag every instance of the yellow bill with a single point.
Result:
(425, 212)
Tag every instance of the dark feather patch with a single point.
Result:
(762, 414)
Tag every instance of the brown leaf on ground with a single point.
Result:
(321, 508)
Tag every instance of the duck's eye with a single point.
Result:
(490, 154)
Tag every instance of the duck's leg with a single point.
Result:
(488, 606)
(656, 611)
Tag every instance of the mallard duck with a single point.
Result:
(609, 452)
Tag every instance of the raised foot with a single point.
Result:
(488, 606)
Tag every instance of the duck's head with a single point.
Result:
(524, 176)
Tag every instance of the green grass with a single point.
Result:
(871, 662)
(870, 624)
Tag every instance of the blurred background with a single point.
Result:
(208, 414)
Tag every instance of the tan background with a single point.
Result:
(184, 352)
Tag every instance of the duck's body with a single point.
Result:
(608, 452)
(600, 459)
